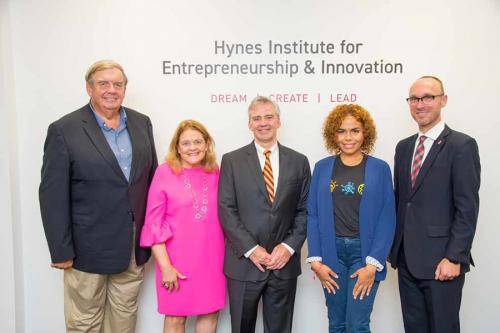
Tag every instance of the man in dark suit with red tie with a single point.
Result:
(436, 180)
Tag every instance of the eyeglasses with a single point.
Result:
(107, 85)
(427, 99)
(187, 144)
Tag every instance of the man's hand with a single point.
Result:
(62, 265)
(366, 278)
(260, 258)
(446, 270)
(325, 275)
(279, 257)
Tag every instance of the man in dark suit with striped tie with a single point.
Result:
(263, 190)
(436, 180)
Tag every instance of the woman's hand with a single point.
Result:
(169, 274)
(366, 278)
(169, 278)
(325, 275)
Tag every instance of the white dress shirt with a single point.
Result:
(431, 136)
(274, 157)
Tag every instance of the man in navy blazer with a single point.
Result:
(97, 166)
(436, 179)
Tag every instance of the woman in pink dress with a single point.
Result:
(182, 228)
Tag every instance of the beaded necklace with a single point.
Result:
(199, 211)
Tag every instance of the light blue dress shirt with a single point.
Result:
(118, 140)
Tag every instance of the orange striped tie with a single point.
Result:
(268, 176)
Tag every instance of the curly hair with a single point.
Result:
(173, 158)
(334, 120)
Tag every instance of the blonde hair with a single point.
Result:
(102, 65)
(173, 158)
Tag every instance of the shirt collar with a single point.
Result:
(434, 132)
(262, 150)
(102, 123)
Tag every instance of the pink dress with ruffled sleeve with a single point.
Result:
(195, 246)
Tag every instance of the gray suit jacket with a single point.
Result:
(249, 219)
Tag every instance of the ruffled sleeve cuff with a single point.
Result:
(155, 233)
(374, 262)
(313, 259)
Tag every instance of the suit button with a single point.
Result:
(408, 204)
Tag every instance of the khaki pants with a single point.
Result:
(102, 302)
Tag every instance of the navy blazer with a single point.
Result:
(437, 218)
(377, 214)
(88, 207)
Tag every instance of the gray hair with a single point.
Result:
(263, 100)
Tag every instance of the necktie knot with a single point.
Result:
(267, 153)
(422, 139)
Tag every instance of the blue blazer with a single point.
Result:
(437, 224)
(377, 214)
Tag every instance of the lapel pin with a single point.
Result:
(440, 141)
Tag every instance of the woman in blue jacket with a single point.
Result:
(351, 219)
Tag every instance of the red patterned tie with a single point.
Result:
(268, 176)
(417, 160)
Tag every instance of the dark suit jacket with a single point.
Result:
(249, 219)
(87, 205)
(437, 218)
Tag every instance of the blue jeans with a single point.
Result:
(346, 315)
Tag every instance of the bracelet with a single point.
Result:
(320, 263)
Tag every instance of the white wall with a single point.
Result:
(11, 289)
(48, 45)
